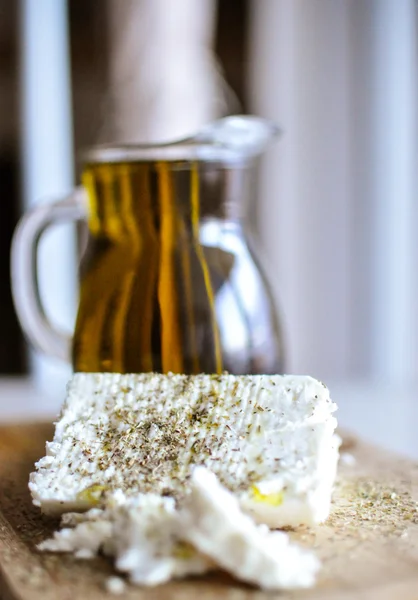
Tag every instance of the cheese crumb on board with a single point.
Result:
(269, 439)
(115, 585)
(153, 541)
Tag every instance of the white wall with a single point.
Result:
(337, 206)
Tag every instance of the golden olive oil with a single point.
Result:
(137, 309)
(153, 297)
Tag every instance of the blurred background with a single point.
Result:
(336, 212)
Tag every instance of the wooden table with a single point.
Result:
(369, 547)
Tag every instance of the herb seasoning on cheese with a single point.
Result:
(269, 439)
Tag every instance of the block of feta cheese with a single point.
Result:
(152, 540)
(269, 439)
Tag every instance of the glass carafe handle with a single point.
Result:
(25, 289)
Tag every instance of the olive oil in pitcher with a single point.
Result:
(168, 281)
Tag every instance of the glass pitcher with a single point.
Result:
(169, 281)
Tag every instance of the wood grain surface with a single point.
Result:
(369, 547)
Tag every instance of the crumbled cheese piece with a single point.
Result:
(147, 544)
(153, 542)
(214, 524)
(269, 439)
(141, 534)
(85, 539)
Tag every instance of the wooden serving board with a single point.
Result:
(369, 547)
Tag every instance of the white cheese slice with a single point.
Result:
(214, 524)
(269, 439)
